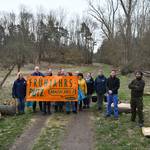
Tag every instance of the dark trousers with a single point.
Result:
(80, 105)
(40, 106)
(59, 106)
(137, 107)
(76, 105)
(47, 107)
(100, 99)
(21, 105)
(87, 100)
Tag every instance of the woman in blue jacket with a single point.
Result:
(19, 92)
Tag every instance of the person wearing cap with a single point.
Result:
(137, 89)
(47, 105)
(37, 73)
(19, 92)
(113, 85)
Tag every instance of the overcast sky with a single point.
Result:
(72, 7)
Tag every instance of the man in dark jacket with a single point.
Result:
(37, 73)
(137, 89)
(19, 92)
(113, 84)
(47, 105)
(90, 89)
(100, 88)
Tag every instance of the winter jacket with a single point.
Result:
(100, 84)
(83, 86)
(137, 87)
(113, 84)
(19, 88)
(37, 74)
(90, 86)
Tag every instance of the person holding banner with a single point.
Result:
(37, 73)
(59, 105)
(19, 92)
(70, 104)
(83, 88)
(47, 105)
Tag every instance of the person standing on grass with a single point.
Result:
(137, 89)
(90, 89)
(37, 73)
(100, 88)
(47, 105)
(19, 92)
(113, 85)
(83, 88)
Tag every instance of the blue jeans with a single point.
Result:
(112, 99)
(68, 105)
(21, 105)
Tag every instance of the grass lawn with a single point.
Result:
(11, 127)
(121, 134)
(51, 136)
(109, 134)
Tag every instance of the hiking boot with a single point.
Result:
(75, 112)
(141, 125)
(67, 112)
(88, 107)
(116, 118)
(44, 113)
(107, 116)
(84, 107)
(133, 120)
(49, 113)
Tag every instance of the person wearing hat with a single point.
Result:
(137, 89)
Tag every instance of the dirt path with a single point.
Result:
(27, 139)
(79, 135)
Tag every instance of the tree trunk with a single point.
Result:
(7, 109)
(6, 76)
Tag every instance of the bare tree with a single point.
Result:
(106, 17)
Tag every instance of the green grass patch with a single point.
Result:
(52, 135)
(11, 127)
(121, 134)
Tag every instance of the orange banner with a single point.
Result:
(52, 88)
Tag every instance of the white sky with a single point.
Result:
(72, 7)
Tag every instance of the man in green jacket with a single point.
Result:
(137, 90)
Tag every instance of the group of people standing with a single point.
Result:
(105, 89)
